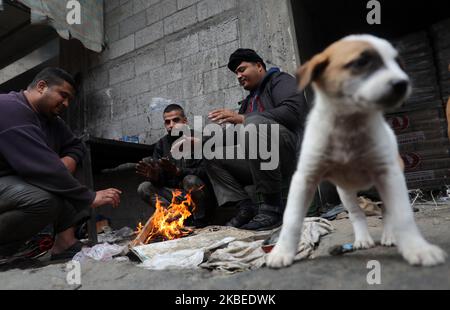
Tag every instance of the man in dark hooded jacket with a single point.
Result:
(273, 100)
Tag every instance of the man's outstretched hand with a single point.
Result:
(169, 167)
(222, 116)
(149, 170)
(105, 197)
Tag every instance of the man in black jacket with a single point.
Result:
(38, 155)
(273, 99)
(165, 175)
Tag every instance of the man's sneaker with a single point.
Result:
(246, 211)
(243, 217)
(264, 221)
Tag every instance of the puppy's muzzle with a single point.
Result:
(397, 92)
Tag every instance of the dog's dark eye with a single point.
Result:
(400, 63)
(361, 62)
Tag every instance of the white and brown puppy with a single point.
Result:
(348, 142)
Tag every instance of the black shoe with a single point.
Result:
(69, 253)
(264, 221)
(243, 217)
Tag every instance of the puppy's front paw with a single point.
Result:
(424, 255)
(280, 258)
(388, 239)
(364, 243)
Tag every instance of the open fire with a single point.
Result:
(167, 223)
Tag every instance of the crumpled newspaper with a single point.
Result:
(181, 259)
(226, 249)
(101, 252)
(240, 256)
(111, 236)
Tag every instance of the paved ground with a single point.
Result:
(323, 272)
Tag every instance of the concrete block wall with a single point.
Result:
(163, 51)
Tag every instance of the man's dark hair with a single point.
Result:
(244, 54)
(53, 76)
(174, 107)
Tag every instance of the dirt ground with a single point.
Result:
(349, 271)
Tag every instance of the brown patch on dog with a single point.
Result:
(328, 69)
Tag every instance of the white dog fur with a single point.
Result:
(348, 142)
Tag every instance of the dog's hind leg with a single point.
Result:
(300, 196)
(414, 248)
(363, 240)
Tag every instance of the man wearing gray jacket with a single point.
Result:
(273, 100)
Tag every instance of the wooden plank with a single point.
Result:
(142, 236)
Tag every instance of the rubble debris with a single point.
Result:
(226, 249)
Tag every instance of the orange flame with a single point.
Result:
(168, 222)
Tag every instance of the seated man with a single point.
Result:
(38, 155)
(166, 174)
(273, 99)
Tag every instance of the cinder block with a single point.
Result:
(149, 34)
(142, 5)
(182, 48)
(219, 34)
(121, 72)
(96, 79)
(118, 14)
(233, 96)
(209, 8)
(225, 51)
(133, 24)
(175, 91)
(211, 81)
(154, 14)
(227, 31)
(149, 60)
(164, 75)
(112, 34)
(124, 108)
(172, 72)
(121, 47)
(181, 4)
(180, 20)
(193, 85)
(111, 5)
(201, 62)
(131, 88)
(226, 78)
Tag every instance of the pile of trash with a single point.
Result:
(214, 248)
(226, 249)
(339, 212)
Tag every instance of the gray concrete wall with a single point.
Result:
(162, 51)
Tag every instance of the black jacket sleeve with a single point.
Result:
(197, 168)
(290, 107)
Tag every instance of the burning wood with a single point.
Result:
(167, 223)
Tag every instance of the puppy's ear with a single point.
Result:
(311, 70)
